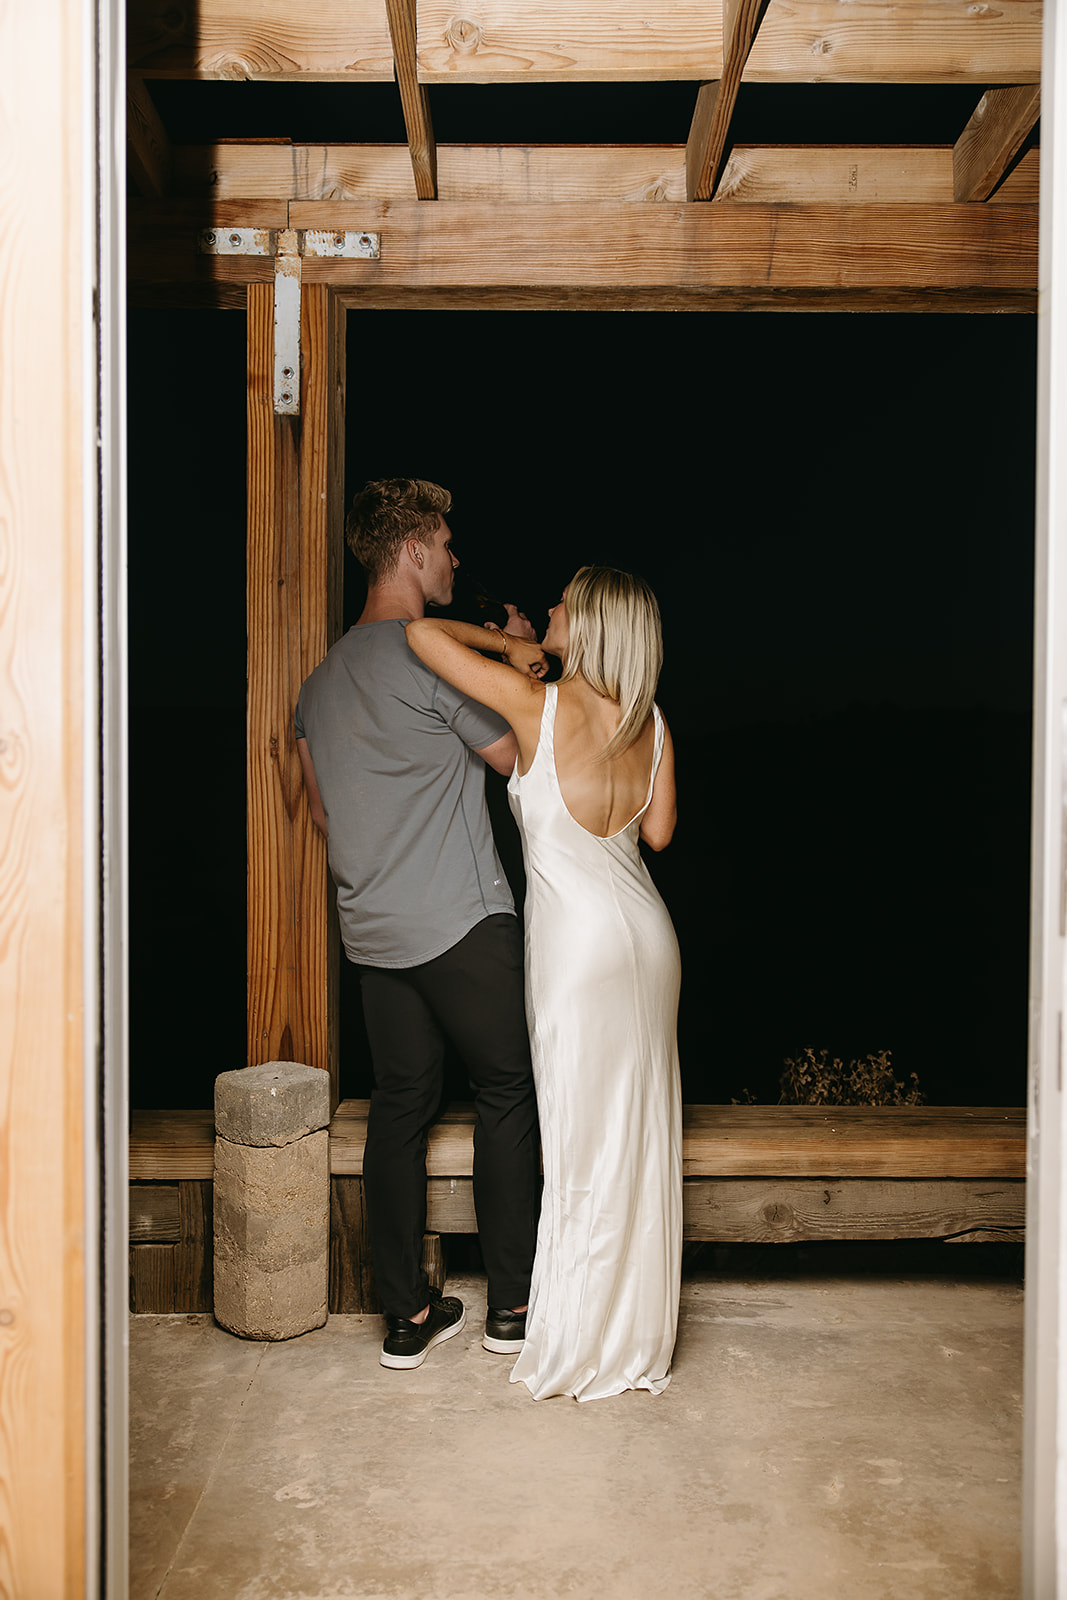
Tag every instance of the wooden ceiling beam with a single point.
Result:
(716, 101)
(149, 159)
(1001, 123)
(800, 41)
(414, 97)
(829, 248)
(757, 174)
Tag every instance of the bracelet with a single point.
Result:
(503, 642)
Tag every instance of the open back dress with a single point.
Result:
(602, 978)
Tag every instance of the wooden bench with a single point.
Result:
(752, 1174)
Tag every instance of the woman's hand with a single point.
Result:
(525, 655)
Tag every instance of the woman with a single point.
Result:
(595, 772)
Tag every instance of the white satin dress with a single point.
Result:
(602, 979)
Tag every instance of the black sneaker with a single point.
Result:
(505, 1331)
(406, 1342)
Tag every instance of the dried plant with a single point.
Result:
(812, 1079)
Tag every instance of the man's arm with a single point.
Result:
(318, 815)
(501, 755)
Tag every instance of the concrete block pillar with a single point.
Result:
(272, 1199)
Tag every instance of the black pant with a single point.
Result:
(474, 993)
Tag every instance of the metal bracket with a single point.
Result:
(287, 246)
(352, 246)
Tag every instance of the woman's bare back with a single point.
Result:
(602, 796)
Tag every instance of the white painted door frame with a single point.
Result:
(1045, 1427)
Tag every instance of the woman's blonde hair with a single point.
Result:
(615, 642)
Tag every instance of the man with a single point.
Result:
(390, 756)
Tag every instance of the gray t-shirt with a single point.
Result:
(410, 846)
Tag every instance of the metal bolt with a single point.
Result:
(286, 398)
(339, 238)
(287, 372)
(212, 238)
(235, 238)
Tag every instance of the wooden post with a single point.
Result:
(295, 518)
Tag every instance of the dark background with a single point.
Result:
(836, 513)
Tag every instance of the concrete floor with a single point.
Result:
(823, 1436)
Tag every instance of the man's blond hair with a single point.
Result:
(388, 512)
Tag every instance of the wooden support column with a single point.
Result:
(295, 530)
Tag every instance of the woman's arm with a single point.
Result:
(451, 649)
(657, 824)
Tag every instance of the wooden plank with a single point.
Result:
(172, 1145)
(783, 1211)
(787, 1141)
(450, 1205)
(148, 150)
(353, 1289)
(194, 1289)
(857, 175)
(152, 1279)
(155, 1216)
(51, 1052)
(464, 172)
(414, 98)
(163, 237)
(495, 41)
(716, 101)
(723, 246)
(293, 577)
(755, 174)
(927, 41)
(1001, 123)
(932, 41)
(386, 297)
(317, 40)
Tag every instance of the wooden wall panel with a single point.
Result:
(47, 785)
(293, 614)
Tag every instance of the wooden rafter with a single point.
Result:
(414, 97)
(928, 41)
(1001, 123)
(148, 150)
(716, 101)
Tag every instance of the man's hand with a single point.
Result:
(518, 623)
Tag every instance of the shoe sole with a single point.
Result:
(502, 1347)
(406, 1363)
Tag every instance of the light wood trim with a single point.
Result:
(1002, 121)
(48, 764)
(293, 607)
(716, 101)
(414, 98)
(148, 150)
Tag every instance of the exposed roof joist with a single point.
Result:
(716, 101)
(1002, 122)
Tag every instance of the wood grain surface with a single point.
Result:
(293, 614)
(49, 807)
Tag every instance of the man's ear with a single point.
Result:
(414, 550)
